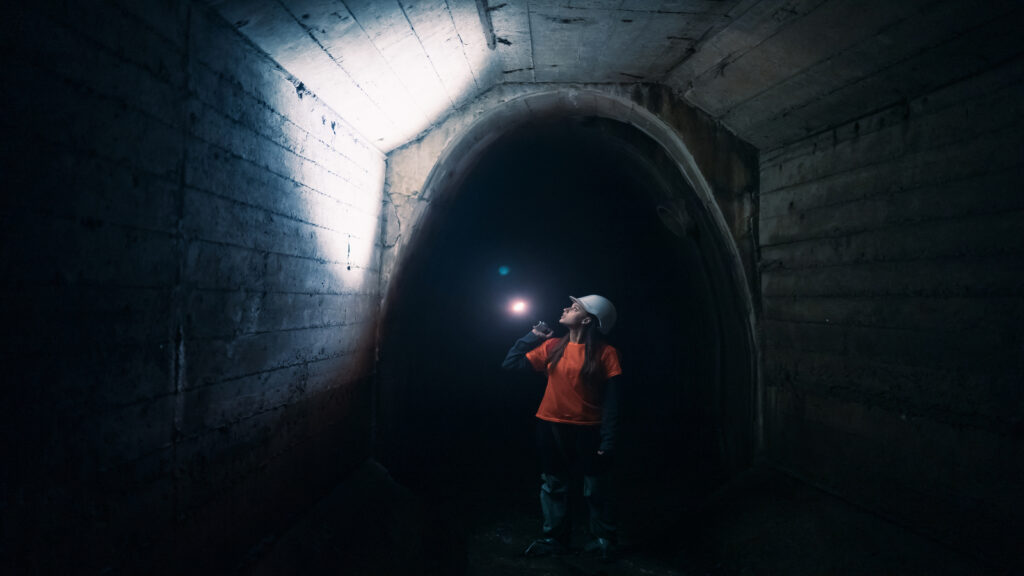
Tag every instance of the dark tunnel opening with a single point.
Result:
(556, 208)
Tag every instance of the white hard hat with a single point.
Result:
(601, 307)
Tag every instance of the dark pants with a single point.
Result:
(565, 450)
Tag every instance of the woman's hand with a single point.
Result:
(542, 330)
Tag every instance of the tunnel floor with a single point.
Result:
(763, 522)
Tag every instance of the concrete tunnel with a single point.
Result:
(258, 258)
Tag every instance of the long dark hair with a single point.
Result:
(592, 346)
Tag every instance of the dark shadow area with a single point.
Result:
(761, 522)
(553, 209)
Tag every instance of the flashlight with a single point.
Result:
(542, 327)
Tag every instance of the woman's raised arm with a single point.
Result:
(516, 357)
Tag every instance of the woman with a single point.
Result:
(577, 419)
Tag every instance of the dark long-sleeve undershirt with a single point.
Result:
(516, 357)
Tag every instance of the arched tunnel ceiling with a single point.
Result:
(773, 71)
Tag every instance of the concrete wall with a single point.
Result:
(189, 269)
(721, 168)
(892, 261)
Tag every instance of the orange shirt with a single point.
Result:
(568, 398)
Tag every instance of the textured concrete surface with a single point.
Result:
(189, 278)
(892, 264)
(773, 71)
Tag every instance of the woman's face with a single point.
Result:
(574, 315)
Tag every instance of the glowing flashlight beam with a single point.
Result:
(518, 307)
